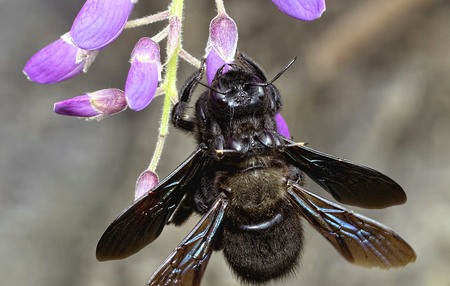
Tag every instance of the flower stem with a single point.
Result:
(169, 85)
(161, 35)
(189, 58)
(220, 7)
(147, 20)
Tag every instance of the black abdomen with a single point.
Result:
(267, 250)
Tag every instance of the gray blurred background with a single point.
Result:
(371, 84)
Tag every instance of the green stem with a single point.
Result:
(169, 85)
(176, 8)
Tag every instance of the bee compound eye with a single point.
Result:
(261, 92)
(219, 99)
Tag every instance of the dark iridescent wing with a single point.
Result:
(360, 240)
(143, 221)
(186, 264)
(349, 183)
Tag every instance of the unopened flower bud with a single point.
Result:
(58, 61)
(96, 105)
(146, 181)
(174, 35)
(100, 22)
(222, 44)
(144, 74)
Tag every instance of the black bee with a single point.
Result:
(246, 181)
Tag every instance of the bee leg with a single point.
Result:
(295, 175)
(179, 117)
(209, 130)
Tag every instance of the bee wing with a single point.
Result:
(143, 221)
(348, 182)
(187, 263)
(360, 240)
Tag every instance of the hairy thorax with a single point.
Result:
(256, 183)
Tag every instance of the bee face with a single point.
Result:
(238, 93)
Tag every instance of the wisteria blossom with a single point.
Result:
(96, 105)
(222, 44)
(144, 74)
(58, 61)
(305, 10)
(100, 22)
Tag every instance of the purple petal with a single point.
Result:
(146, 181)
(223, 36)
(144, 74)
(78, 106)
(100, 22)
(213, 63)
(141, 84)
(54, 63)
(305, 10)
(282, 126)
(146, 50)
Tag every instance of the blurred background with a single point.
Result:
(371, 84)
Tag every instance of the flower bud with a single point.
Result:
(144, 74)
(100, 22)
(96, 105)
(282, 126)
(222, 44)
(305, 10)
(146, 181)
(58, 61)
(174, 35)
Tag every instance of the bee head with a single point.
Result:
(238, 90)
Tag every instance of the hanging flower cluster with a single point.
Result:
(101, 21)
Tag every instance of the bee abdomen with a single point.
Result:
(259, 254)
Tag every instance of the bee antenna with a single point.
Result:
(276, 77)
(211, 88)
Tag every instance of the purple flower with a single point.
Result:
(222, 44)
(144, 74)
(100, 22)
(146, 181)
(58, 61)
(282, 126)
(305, 10)
(96, 105)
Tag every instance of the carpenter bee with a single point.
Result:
(246, 180)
